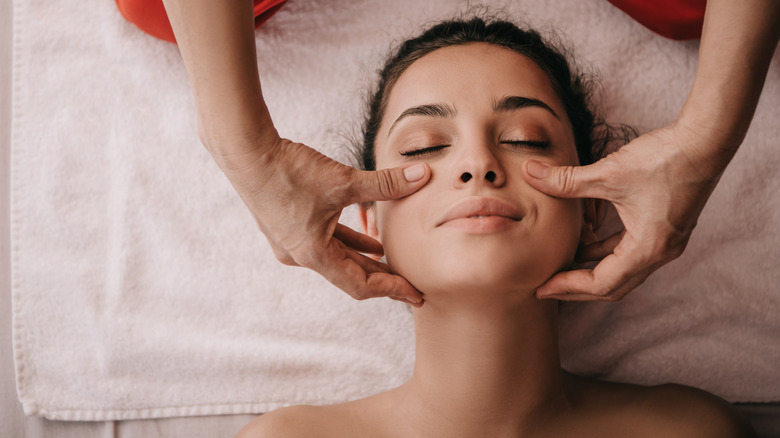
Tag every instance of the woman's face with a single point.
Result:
(475, 113)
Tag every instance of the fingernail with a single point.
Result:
(543, 296)
(538, 169)
(414, 172)
(415, 300)
(417, 304)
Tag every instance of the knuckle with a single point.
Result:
(670, 247)
(305, 256)
(387, 183)
(284, 257)
(612, 177)
(678, 247)
(566, 179)
(360, 294)
(342, 189)
(669, 250)
(609, 291)
(611, 168)
(287, 260)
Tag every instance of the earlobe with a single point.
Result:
(368, 220)
(593, 211)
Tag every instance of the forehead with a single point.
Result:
(468, 76)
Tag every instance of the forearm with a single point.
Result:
(217, 44)
(737, 44)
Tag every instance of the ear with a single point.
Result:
(368, 220)
(594, 211)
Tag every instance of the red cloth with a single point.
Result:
(150, 16)
(675, 19)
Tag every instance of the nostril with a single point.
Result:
(465, 177)
(490, 176)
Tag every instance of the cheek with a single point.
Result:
(562, 228)
(401, 227)
(394, 224)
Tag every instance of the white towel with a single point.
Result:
(142, 288)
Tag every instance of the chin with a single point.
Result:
(479, 273)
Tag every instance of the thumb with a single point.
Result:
(388, 184)
(565, 181)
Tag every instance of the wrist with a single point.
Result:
(704, 146)
(234, 147)
(721, 128)
(225, 134)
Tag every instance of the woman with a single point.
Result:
(476, 101)
(659, 204)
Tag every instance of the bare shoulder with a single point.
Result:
(303, 421)
(667, 410)
(282, 423)
(697, 413)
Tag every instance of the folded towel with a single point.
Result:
(142, 288)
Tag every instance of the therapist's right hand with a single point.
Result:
(296, 196)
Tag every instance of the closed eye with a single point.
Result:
(423, 151)
(527, 143)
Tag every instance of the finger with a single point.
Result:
(567, 181)
(362, 277)
(610, 280)
(369, 265)
(416, 305)
(388, 184)
(598, 250)
(373, 267)
(358, 241)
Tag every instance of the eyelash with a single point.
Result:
(424, 151)
(543, 144)
(517, 143)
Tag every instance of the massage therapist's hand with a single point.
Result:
(296, 195)
(659, 184)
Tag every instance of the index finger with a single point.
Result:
(612, 279)
(358, 241)
(362, 277)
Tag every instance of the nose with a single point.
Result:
(490, 176)
(479, 165)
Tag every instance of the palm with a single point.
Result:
(657, 191)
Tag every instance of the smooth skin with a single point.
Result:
(660, 182)
(279, 180)
(486, 350)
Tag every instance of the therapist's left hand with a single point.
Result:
(659, 184)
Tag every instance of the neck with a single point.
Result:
(484, 368)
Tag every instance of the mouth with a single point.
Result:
(481, 215)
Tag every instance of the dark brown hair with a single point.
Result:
(591, 134)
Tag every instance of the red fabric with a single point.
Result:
(150, 16)
(675, 19)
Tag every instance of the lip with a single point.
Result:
(481, 215)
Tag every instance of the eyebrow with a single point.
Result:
(513, 103)
(439, 110)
